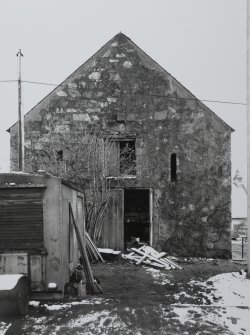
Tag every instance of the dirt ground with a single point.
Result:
(134, 302)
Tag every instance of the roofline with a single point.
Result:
(71, 185)
(201, 104)
(20, 186)
(8, 130)
(44, 175)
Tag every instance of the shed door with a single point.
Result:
(151, 206)
(113, 230)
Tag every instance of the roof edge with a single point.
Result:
(8, 130)
(201, 104)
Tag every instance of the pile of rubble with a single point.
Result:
(149, 256)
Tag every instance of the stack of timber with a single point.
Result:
(92, 287)
(149, 256)
(92, 251)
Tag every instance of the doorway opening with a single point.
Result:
(136, 216)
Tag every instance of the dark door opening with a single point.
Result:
(136, 215)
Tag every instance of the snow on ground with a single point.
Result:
(233, 319)
(100, 322)
(55, 307)
(227, 289)
(4, 327)
(233, 288)
(38, 325)
(93, 323)
(160, 277)
(229, 296)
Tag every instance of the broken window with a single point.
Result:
(61, 161)
(127, 157)
(173, 167)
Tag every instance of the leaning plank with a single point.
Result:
(154, 253)
(142, 259)
(161, 254)
(92, 284)
(94, 248)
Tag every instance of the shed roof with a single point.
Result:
(28, 180)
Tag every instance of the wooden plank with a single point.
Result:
(93, 286)
(113, 233)
(151, 210)
(142, 259)
(149, 256)
(113, 159)
(94, 248)
(173, 263)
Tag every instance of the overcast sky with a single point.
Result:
(202, 43)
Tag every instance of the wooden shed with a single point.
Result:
(36, 237)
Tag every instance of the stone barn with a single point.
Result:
(174, 192)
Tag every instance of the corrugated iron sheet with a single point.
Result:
(21, 219)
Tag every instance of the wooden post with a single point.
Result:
(20, 127)
(242, 247)
(248, 137)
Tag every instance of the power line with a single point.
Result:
(134, 94)
(39, 83)
(192, 99)
(8, 81)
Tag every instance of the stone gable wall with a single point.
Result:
(128, 97)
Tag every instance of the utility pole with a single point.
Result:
(248, 137)
(20, 133)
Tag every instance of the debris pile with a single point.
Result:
(149, 256)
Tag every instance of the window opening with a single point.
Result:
(220, 171)
(59, 155)
(173, 163)
(127, 158)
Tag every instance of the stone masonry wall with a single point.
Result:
(131, 96)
